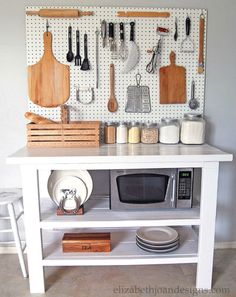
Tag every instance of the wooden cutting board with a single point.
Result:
(172, 83)
(48, 80)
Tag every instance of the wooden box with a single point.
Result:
(74, 134)
(86, 242)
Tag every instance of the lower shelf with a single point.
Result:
(125, 252)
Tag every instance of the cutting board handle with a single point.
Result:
(172, 58)
(47, 38)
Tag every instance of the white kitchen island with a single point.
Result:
(194, 248)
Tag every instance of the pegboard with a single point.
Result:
(145, 37)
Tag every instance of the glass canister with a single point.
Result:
(134, 133)
(149, 133)
(169, 131)
(121, 133)
(193, 129)
(109, 133)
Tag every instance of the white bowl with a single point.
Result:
(70, 179)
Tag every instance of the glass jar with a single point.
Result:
(193, 129)
(109, 133)
(149, 133)
(121, 133)
(169, 131)
(134, 133)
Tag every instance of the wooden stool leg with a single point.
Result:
(15, 231)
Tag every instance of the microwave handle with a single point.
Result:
(173, 199)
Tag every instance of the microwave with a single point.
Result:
(149, 189)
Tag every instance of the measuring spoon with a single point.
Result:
(193, 102)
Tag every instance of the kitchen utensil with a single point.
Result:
(64, 114)
(112, 42)
(85, 89)
(187, 45)
(155, 62)
(85, 65)
(112, 103)
(143, 14)
(138, 98)
(48, 80)
(104, 32)
(201, 44)
(193, 102)
(77, 57)
(122, 49)
(176, 35)
(59, 13)
(37, 119)
(172, 83)
(133, 52)
(70, 201)
(69, 179)
(97, 57)
(70, 55)
(157, 235)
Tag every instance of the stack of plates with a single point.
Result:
(157, 239)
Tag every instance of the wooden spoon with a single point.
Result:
(112, 103)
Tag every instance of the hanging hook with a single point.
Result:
(47, 26)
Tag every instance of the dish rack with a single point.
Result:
(74, 134)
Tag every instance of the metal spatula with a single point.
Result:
(138, 98)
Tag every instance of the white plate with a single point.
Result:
(157, 251)
(157, 247)
(79, 179)
(157, 235)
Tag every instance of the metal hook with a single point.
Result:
(47, 26)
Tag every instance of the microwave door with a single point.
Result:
(147, 190)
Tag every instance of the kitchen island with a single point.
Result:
(195, 247)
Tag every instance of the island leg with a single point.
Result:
(31, 199)
(207, 226)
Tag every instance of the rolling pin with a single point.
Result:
(59, 13)
(143, 14)
(37, 119)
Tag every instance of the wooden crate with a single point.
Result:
(86, 242)
(74, 134)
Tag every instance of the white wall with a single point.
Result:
(220, 90)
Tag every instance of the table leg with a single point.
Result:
(30, 184)
(207, 226)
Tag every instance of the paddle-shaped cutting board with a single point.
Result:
(48, 80)
(172, 83)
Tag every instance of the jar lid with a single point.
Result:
(169, 121)
(193, 116)
(109, 123)
(122, 124)
(134, 124)
(150, 125)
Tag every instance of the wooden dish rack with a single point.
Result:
(74, 134)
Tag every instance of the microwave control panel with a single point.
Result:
(185, 188)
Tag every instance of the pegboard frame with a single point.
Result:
(146, 38)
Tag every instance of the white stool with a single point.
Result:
(11, 198)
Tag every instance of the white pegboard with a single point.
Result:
(145, 37)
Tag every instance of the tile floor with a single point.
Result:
(126, 281)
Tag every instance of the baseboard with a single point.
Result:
(218, 246)
(225, 245)
(9, 249)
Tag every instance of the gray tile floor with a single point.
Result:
(126, 281)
